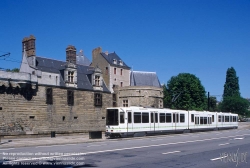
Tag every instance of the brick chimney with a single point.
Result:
(28, 44)
(71, 54)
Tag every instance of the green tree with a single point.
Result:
(12, 70)
(236, 104)
(186, 92)
(231, 86)
(213, 104)
(232, 101)
(166, 97)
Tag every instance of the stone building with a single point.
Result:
(72, 95)
(129, 88)
(51, 95)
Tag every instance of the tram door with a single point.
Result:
(129, 122)
(154, 121)
(176, 123)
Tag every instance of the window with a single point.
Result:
(114, 61)
(125, 103)
(192, 117)
(70, 76)
(222, 118)
(32, 117)
(201, 120)
(197, 120)
(137, 117)
(212, 118)
(145, 118)
(182, 117)
(162, 118)
(121, 72)
(49, 99)
(219, 118)
(112, 117)
(176, 117)
(107, 71)
(205, 120)
(98, 99)
(114, 100)
(121, 117)
(168, 118)
(226, 118)
(97, 80)
(114, 70)
(230, 119)
(154, 117)
(129, 117)
(70, 97)
(121, 84)
(121, 63)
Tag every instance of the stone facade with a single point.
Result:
(21, 116)
(115, 71)
(146, 96)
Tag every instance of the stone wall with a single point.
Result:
(146, 96)
(21, 116)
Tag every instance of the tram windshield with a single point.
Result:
(112, 117)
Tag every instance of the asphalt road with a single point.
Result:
(229, 148)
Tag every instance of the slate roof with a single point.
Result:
(111, 56)
(140, 78)
(82, 60)
(55, 66)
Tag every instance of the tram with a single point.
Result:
(133, 121)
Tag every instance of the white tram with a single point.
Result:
(132, 121)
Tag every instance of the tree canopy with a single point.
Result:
(186, 92)
(231, 86)
(232, 101)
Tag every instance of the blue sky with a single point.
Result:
(201, 37)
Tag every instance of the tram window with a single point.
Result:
(205, 120)
(222, 117)
(145, 118)
(231, 119)
(236, 118)
(156, 117)
(121, 117)
(219, 118)
(129, 117)
(182, 118)
(208, 120)
(201, 120)
(162, 118)
(175, 117)
(137, 117)
(192, 117)
(212, 118)
(112, 117)
(197, 120)
(226, 118)
(168, 118)
(152, 117)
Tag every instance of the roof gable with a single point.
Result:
(140, 78)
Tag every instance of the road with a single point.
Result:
(228, 148)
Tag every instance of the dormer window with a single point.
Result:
(70, 76)
(114, 61)
(120, 62)
(97, 80)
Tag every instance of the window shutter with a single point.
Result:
(93, 79)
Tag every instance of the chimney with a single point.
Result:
(71, 54)
(106, 53)
(28, 44)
